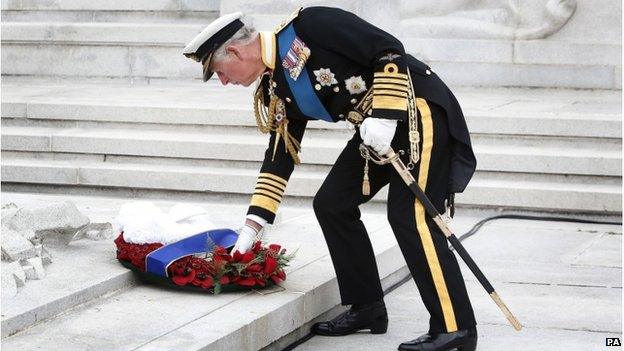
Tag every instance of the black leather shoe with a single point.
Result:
(371, 316)
(461, 340)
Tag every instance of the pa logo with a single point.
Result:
(613, 342)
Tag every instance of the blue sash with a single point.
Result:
(301, 88)
(157, 261)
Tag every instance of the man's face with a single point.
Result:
(237, 69)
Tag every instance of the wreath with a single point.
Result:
(214, 271)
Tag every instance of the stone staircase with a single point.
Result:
(197, 138)
(96, 95)
(111, 40)
(141, 42)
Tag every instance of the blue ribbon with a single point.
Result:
(302, 90)
(157, 261)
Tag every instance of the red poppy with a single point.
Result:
(237, 256)
(270, 265)
(248, 256)
(275, 248)
(248, 281)
(254, 268)
(219, 250)
(208, 282)
(176, 268)
(275, 279)
(184, 279)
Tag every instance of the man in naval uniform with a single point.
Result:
(326, 63)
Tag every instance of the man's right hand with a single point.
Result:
(245, 239)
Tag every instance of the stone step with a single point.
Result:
(167, 11)
(430, 50)
(37, 128)
(146, 50)
(537, 63)
(116, 16)
(242, 318)
(563, 129)
(546, 52)
(112, 5)
(495, 154)
(100, 33)
(168, 115)
(314, 130)
(568, 113)
(487, 189)
(30, 306)
(530, 75)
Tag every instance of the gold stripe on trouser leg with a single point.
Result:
(421, 224)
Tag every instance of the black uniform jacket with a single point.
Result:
(347, 57)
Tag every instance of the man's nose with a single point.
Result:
(222, 78)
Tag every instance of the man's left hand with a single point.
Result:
(378, 133)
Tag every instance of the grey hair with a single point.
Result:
(243, 36)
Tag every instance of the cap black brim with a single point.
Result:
(207, 73)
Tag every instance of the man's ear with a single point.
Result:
(235, 51)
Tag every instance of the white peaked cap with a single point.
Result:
(212, 37)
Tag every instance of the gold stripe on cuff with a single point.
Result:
(390, 102)
(274, 177)
(265, 202)
(268, 194)
(272, 183)
(277, 192)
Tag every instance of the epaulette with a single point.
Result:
(287, 21)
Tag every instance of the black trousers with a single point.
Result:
(431, 263)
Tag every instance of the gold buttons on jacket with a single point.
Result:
(428, 72)
(317, 87)
(353, 101)
(336, 89)
(288, 99)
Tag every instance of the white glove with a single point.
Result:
(378, 133)
(248, 233)
(245, 239)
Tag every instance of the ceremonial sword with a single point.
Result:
(392, 157)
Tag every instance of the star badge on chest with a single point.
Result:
(355, 85)
(325, 77)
